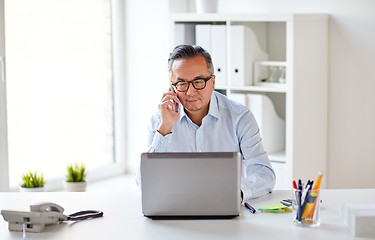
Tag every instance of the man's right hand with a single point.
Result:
(168, 113)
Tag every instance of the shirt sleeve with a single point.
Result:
(259, 176)
(155, 142)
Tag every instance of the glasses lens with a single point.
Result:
(182, 86)
(199, 84)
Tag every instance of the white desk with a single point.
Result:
(123, 218)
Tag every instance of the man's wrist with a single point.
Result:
(162, 133)
(164, 130)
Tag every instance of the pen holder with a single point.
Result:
(308, 207)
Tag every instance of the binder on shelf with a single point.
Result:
(213, 39)
(184, 34)
(244, 50)
(271, 126)
(218, 53)
(281, 176)
(203, 36)
(238, 97)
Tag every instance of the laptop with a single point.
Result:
(191, 185)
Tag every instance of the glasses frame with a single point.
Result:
(192, 83)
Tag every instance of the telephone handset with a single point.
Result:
(46, 207)
(42, 214)
(175, 104)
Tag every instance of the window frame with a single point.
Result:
(4, 172)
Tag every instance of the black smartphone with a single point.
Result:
(175, 104)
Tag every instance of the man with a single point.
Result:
(192, 117)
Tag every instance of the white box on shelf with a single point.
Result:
(244, 50)
(270, 74)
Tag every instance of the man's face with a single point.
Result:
(188, 70)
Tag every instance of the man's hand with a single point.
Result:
(168, 112)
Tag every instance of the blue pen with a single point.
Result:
(299, 200)
(252, 210)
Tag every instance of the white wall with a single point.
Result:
(146, 51)
(351, 93)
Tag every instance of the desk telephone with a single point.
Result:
(42, 214)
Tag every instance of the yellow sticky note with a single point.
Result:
(277, 206)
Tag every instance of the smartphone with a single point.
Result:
(175, 104)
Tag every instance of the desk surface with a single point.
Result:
(123, 218)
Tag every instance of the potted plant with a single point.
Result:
(75, 181)
(32, 182)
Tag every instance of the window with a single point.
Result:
(60, 99)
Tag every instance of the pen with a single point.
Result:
(294, 184)
(318, 180)
(299, 200)
(252, 210)
(287, 202)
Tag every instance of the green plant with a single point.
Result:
(76, 173)
(32, 180)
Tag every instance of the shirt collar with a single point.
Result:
(213, 109)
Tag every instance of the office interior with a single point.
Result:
(145, 44)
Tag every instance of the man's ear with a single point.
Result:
(213, 80)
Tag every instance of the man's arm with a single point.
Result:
(260, 177)
(156, 142)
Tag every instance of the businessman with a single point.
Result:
(192, 117)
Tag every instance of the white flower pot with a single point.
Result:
(206, 6)
(75, 186)
(39, 189)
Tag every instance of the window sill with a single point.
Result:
(120, 183)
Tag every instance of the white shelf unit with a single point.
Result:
(301, 42)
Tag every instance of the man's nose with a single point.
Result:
(191, 90)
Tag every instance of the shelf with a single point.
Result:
(261, 17)
(278, 156)
(287, 39)
(278, 89)
(213, 17)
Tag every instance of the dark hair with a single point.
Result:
(189, 51)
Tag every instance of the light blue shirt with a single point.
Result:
(228, 127)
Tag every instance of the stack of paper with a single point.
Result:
(359, 217)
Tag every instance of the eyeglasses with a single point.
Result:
(198, 83)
